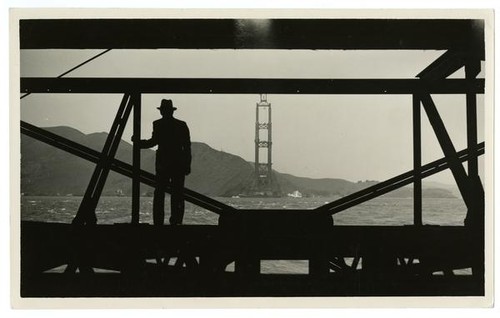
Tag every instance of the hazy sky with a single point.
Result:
(338, 136)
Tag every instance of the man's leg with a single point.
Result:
(177, 199)
(159, 200)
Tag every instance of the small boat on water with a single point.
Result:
(295, 194)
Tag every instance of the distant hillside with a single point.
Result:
(319, 187)
(407, 192)
(46, 170)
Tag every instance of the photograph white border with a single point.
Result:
(264, 302)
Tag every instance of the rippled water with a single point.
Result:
(380, 211)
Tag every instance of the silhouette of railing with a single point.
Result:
(117, 166)
(396, 182)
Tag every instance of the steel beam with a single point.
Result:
(136, 160)
(86, 211)
(117, 166)
(395, 183)
(475, 214)
(250, 86)
(417, 162)
(471, 70)
(445, 65)
(205, 33)
(446, 144)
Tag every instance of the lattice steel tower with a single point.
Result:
(263, 147)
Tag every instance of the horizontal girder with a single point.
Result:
(249, 86)
(313, 34)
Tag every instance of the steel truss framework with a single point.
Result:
(263, 168)
(463, 41)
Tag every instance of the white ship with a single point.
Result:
(295, 194)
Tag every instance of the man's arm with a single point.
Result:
(146, 143)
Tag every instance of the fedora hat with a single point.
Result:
(166, 104)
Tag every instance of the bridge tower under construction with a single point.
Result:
(264, 183)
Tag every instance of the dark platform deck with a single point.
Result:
(343, 260)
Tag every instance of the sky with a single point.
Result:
(351, 137)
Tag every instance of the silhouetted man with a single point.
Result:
(173, 162)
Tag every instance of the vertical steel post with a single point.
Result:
(257, 140)
(136, 159)
(475, 213)
(270, 145)
(472, 68)
(417, 162)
